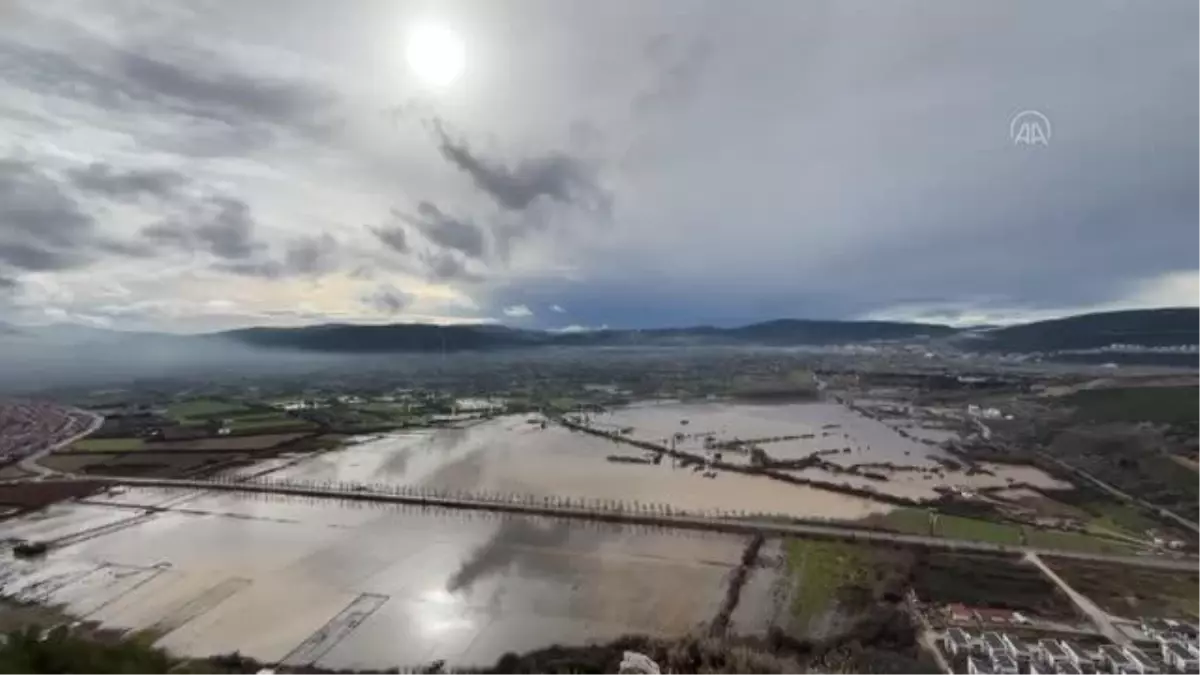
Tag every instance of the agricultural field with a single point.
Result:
(108, 444)
(904, 520)
(1076, 541)
(1164, 405)
(273, 420)
(202, 408)
(990, 581)
(256, 442)
(829, 578)
(1132, 592)
(958, 527)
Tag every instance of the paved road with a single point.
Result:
(1121, 494)
(30, 462)
(1101, 619)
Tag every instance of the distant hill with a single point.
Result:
(428, 338)
(1074, 335)
(1143, 327)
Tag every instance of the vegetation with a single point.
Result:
(108, 444)
(849, 576)
(905, 520)
(203, 408)
(1075, 541)
(992, 581)
(957, 527)
(1164, 405)
(1132, 591)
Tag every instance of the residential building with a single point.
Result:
(1074, 654)
(1003, 663)
(959, 641)
(1069, 668)
(1018, 649)
(1141, 662)
(1051, 653)
(1113, 660)
(993, 645)
(1179, 658)
(978, 665)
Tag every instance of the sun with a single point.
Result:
(436, 54)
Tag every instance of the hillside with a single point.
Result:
(1145, 328)
(423, 337)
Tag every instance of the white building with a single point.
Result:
(978, 665)
(1179, 658)
(1141, 662)
(1051, 653)
(1003, 663)
(959, 641)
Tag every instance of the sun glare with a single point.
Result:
(435, 54)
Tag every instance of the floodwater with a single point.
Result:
(347, 585)
(831, 427)
(513, 455)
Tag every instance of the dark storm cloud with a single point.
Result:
(226, 95)
(394, 237)
(41, 227)
(306, 256)
(229, 107)
(226, 230)
(388, 299)
(310, 255)
(102, 178)
(448, 232)
(556, 176)
(8, 284)
(447, 266)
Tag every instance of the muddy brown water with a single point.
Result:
(343, 585)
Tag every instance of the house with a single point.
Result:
(978, 665)
(1069, 668)
(993, 645)
(1141, 662)
(1003, 663)
(959, 613)
(1074, 655)
(1179, 658)
(1018, 649)
(1113, 660)
(959, 641)
(1051, 653)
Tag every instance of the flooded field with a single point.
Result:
(826, 426)
(516, 455)
(512, 455)
(346, 585)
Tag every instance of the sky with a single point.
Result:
(203, 165)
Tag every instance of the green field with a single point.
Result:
(1076, 541)
(819, 569)
(906, 520)
(203, 407)
(1166, 405)
(108, 444)
(267, 421)
(957, 527)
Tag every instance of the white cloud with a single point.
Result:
(518, 312)
(557, 309)
(576, 328)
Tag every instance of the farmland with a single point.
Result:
(1132, 592)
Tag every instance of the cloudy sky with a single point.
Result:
(191, 166)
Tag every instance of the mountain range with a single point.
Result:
(1153, 328)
